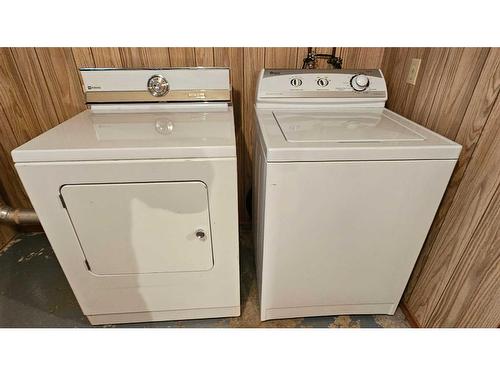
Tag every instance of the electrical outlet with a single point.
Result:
(413, 72)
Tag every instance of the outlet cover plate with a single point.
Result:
(413, 71)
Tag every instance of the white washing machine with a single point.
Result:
(138, 195)
(346, 192)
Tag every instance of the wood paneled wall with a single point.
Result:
(41, 87)
(456, 280)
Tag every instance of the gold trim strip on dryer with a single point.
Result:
(145, 96)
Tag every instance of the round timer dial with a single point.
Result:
(158, 85)
(360, 82)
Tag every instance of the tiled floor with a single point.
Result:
(35, 293)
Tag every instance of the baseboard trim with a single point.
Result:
(409, 316)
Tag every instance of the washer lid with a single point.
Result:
(191, 132)
(335, 134)
(342, 127)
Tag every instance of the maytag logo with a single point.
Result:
(93, 87)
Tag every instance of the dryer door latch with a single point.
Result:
(200, 234)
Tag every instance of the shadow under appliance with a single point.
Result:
(138, 195)
(345, 193)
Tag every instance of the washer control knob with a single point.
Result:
(158, 85)
(323, 82)
(296, 82)
(360, 82)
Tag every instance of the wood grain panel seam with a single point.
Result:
(78, 69)
(2, 108)
(9, 126)
(436, 91)
(26, 88)
(47, 84)
(408, 296)
(118, 63)
(213, 58)
(472, 95)
(30, 110)
(439, 85)
(471, 227)
(169, 56)
(464, 253)
(92, 55)
(474, 147)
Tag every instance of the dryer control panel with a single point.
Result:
(107, 85)
(331, 86)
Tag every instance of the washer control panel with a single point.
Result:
(342, 85)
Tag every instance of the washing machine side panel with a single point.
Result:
(98, 294)
(259, 189)
(343, 237)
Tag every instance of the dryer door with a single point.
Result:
(132, 228)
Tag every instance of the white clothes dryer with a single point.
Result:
(138, 195)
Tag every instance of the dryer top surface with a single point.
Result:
(200, 132)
